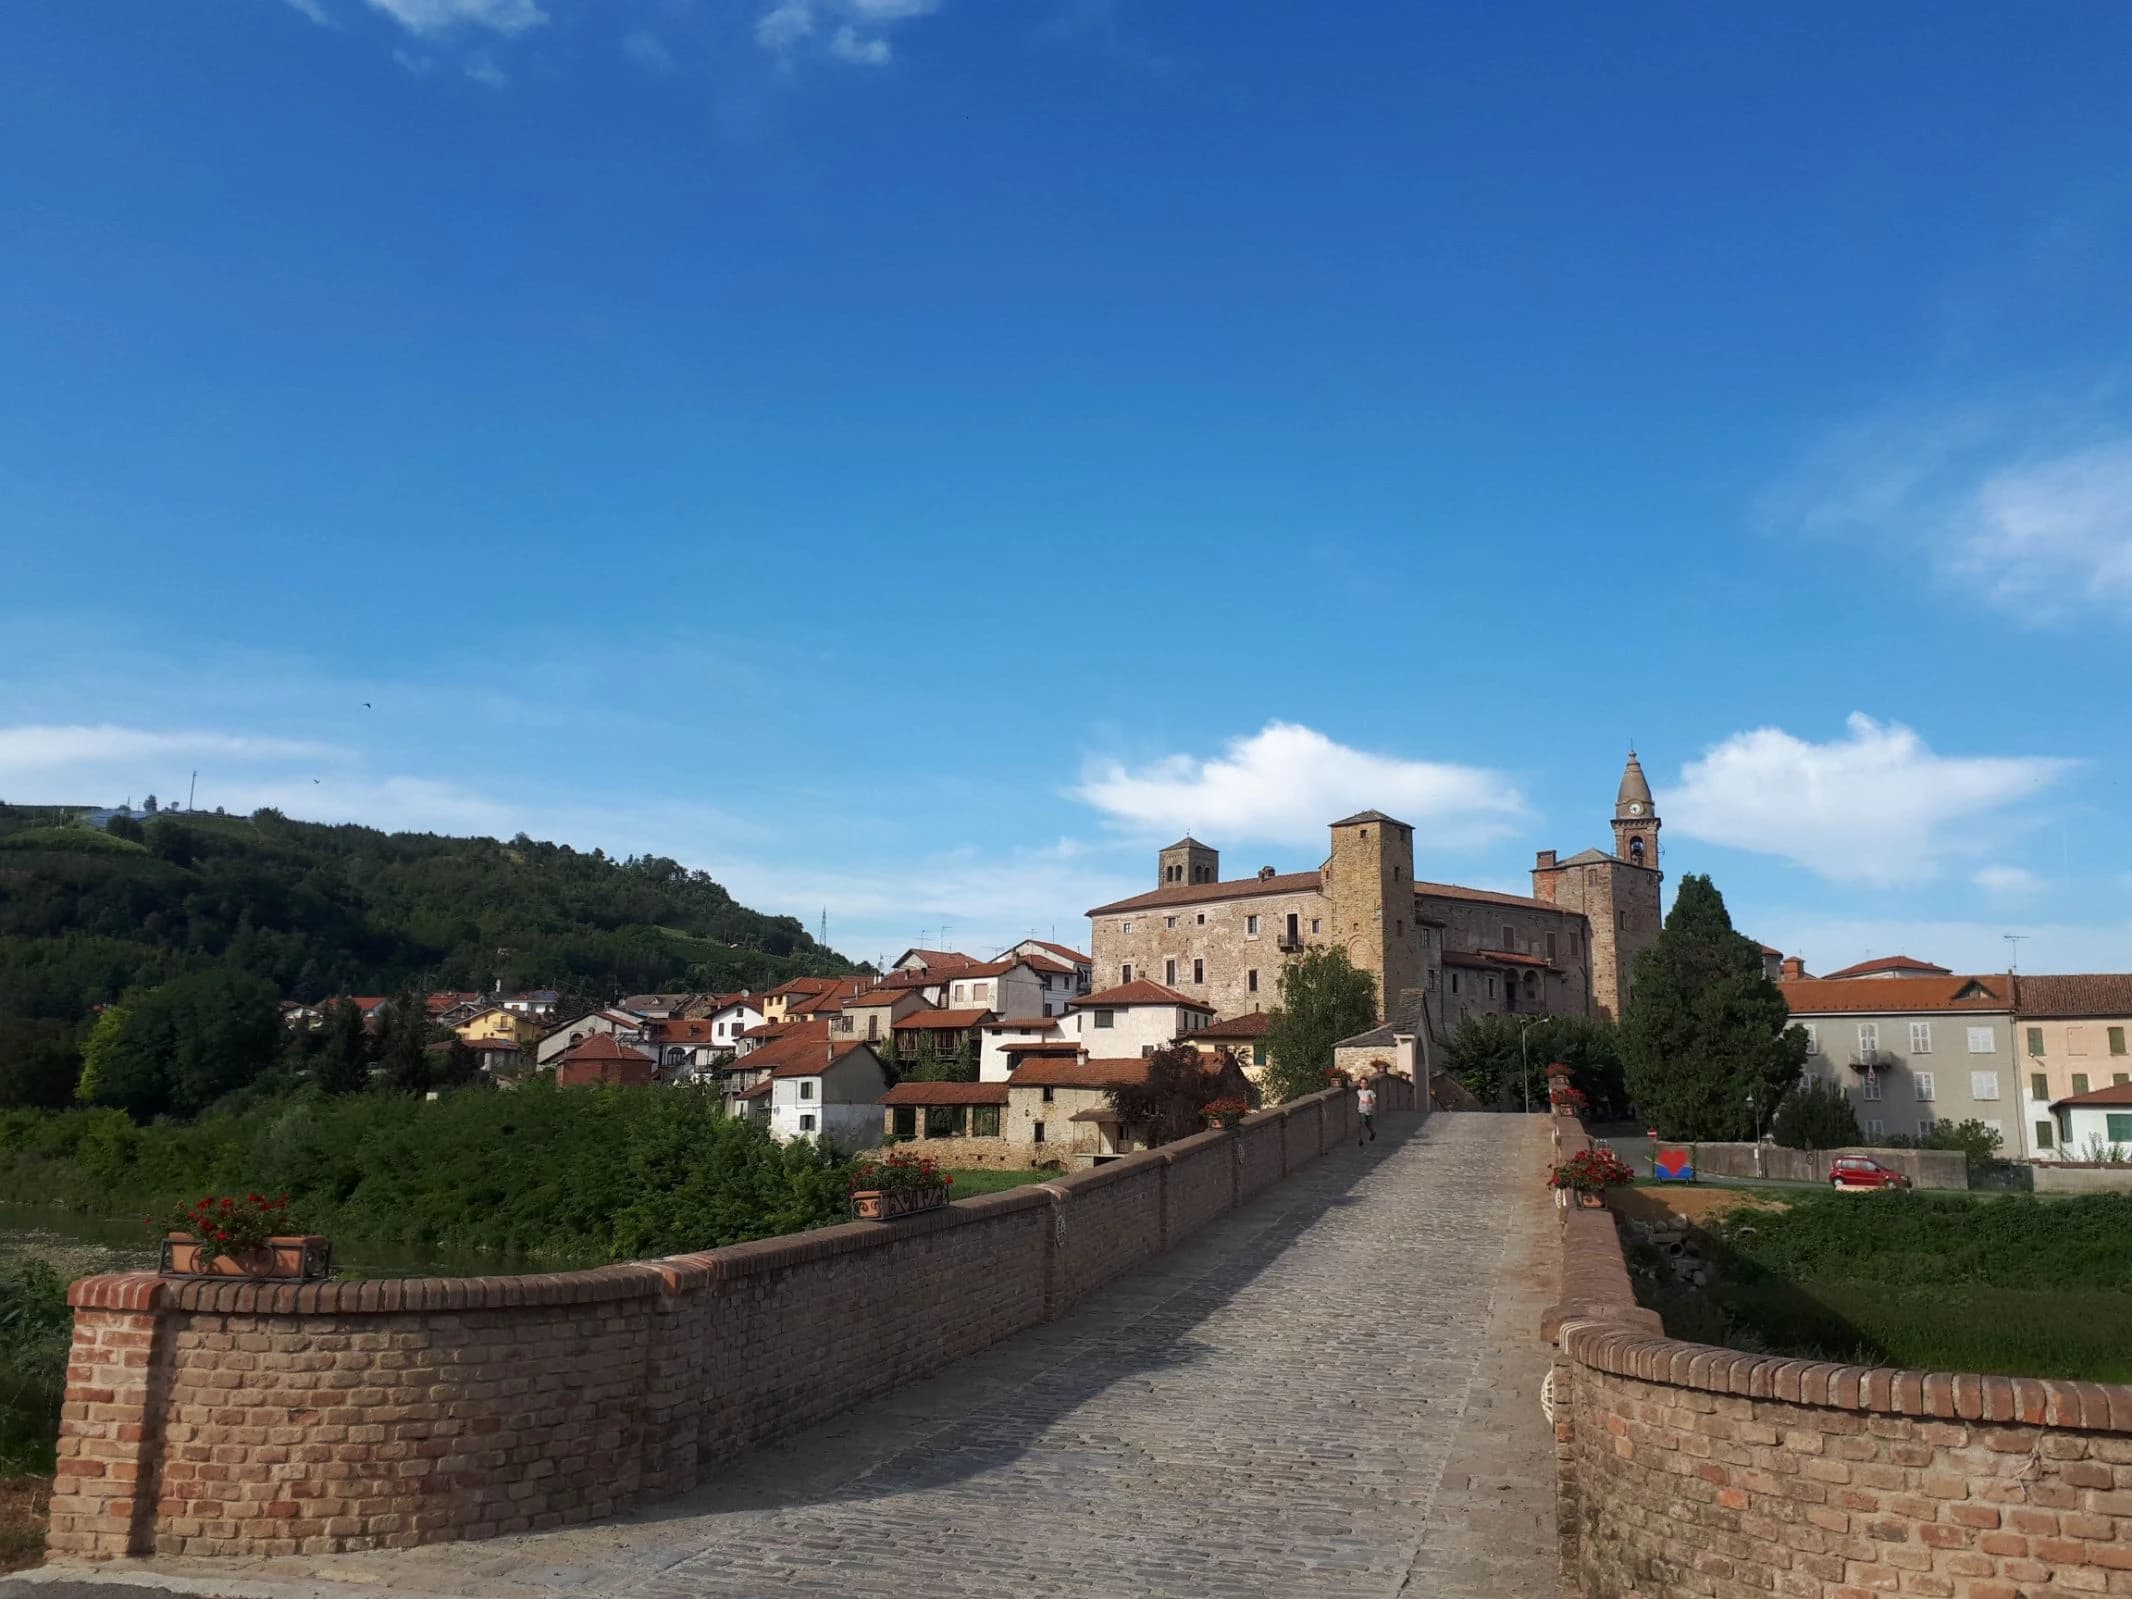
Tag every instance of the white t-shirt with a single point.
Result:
(1367, 1099)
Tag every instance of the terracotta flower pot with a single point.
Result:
(298, 1255)
(1590, 1201)
(874, 1204)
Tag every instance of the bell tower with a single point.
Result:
(1188, 861)
(1635, 818)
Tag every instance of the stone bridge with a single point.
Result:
(1328, 1385)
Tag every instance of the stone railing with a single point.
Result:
(1685, 1469)
(238, 1417)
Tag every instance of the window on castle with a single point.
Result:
(1550, 946)
(1199, 971)
(1250, 927)
(1510, 936)
(1125, 972)
(1454, 982)
(1169, 973)
(1169, 921)
(1251, 981)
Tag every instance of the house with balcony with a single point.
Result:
(2073, 1033)
(1913, 1052)
(620, 1025)
(730, 1015)
(941, 1034)
(870, 1017)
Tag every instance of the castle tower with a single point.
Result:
(1188, 861)
(1369, 884)
(1635, 818)
(1618, 893)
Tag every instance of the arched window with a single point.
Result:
(1635, 852)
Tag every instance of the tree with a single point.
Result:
(1971, 1138)
(39, 1064)
(344, 1064)
(180, 1047)
(1816, 1115)
(1323, 1000)
(1708, 1042)
(933, 1067)
(149, 805)
(403, 1045)
(1171, 1103)
(1503, 1059)
(460, 1065)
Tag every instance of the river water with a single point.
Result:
(79, 1244)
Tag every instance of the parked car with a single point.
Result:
(1863, 1172)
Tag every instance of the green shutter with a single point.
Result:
(2120, 1128)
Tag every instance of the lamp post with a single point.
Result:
(1525, 1063)
(1756, 1117)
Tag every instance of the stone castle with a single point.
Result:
(1453, 952)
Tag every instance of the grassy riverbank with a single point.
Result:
(2015, 1286)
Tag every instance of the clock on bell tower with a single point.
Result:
(1635, 818)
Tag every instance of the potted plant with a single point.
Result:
(224, 1236)
(1589, 1174)
(1568, 1101)
(897, 1184)
(1226, 1111)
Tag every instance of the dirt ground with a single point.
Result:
(1687, 1202)
(22, 1507)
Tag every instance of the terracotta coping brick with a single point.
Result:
(1599, 1324)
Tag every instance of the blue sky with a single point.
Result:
(914, 457)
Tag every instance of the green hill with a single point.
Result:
(87, 917)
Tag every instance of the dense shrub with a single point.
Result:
(1816, 1115)
(541, 1172)
(35, 1326)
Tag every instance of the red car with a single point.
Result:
(1862, 1172)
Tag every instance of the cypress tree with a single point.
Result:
(1706, 1028)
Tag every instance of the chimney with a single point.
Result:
(1547, 858)
(1794, 969)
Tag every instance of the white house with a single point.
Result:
(734, 1016)
(1010, 987)
(1134, 1018)
(2091, 1125)
(829, 1091)
(1066, 971)
(1001, 1040)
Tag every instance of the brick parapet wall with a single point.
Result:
(1689, 1470)
(240, 1417)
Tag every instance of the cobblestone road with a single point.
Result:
(1333, 1391)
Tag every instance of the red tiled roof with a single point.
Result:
(1025, 1024)
(680, 1030)
(1206, 893)
(493, 1046)
(1512, 957)
(1140, 992)
(814, 1058)
(803, 985)
(1071, 956)
(1893, 965)
(1046, 965)
(946, 1094)
(364, 1001)
(1488, 896)
(1252, 1024)
(2077, 994)
(756, 1092)
(1043, 1046)
(2115, 1094)
(944, 1020)
(1822, 996)
(600, 1047)
(1080, 1073)
(886, 994)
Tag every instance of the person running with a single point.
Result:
(1366, 1103)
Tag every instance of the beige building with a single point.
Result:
(1563, 950)
(2073, 1032)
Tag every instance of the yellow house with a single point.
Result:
(777, 1004)
(498, 1025)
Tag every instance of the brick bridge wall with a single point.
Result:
(1687, 1470)
(237, 1417)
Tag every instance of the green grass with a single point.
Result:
(83, 840)
(969, 1184)
(1944, 1282)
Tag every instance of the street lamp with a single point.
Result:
(1525, 1062)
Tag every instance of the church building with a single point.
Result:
(1452, 951)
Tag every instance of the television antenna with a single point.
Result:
(2014, 941)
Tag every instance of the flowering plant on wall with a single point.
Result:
(898, 1172)
(232, 1225)
(1569, 1101)
(1591, 1171)
(1226, 1112)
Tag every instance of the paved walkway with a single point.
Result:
(1333, 1391)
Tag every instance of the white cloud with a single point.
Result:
(846, 45)
(646, 51)
(1284, 783)
(2007, 880)
(785, 25)
(418, 65)
(1876, 806)
(312, 9)
(41, 750)
(890, 10)
(2048, 538)
(482, 68)
(438, 16)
